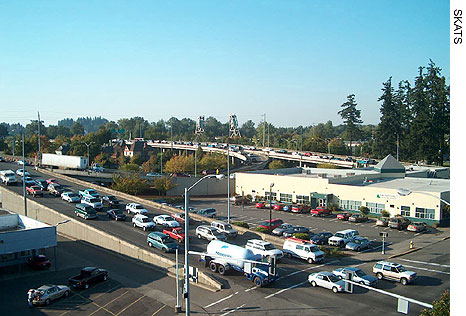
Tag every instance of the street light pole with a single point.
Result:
(24, 183)
(228, 180)
(270, 207)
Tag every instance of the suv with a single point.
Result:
(207, 212)
(263, 248)
(393, 271)
(294, 247)
(341, 238)
(142, 221)
(210, 233)
(92, 201)
(398, 222)
(161, 241)
(225, 228)
(85, 211)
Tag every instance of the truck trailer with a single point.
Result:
(64, 161)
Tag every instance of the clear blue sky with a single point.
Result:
(296, 61)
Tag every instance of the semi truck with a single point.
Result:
(64, 161)
(223, 257)
(8, 177)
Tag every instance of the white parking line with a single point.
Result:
(251, 288)
(314, 228)
(233, 310)
(286, 289)
(220, 300)
(424, 269)
(429, 263)
(307, 269)
(333, 220)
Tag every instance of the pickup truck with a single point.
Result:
(320, 211)
(88, 276)
(34, 190)
(89, 192)
(55, 189)
(176, 233)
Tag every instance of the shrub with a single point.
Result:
(304, 236)
(331, 251)
(262, 230)
(385, 213)
(241, 224)
(364, 210)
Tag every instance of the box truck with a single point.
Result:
(64, 161)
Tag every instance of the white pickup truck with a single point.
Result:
(8, 177)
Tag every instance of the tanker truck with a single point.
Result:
(223, 257)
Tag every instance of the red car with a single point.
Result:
(260, 205)
(179, 217)
(176, 233)
(34, 190)
(50, 181)
(300, 209)
(308, 154)
(271, 225)
(344, 216)
(320, 211)
(278, 207)
(39, 262)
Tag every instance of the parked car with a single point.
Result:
(161, 241)
(34, 190)
(135, 208)
(294, 247)
(116, 214)
(417, 227)
(166, 220)
(39, 262)
(264, 248)
(110, 200)
(42, 184)
(298, 208)
(207, 212)
(210, 233)
(287, 207)
(87, 276)
(357, 218)
(70, 197)
(344, 216)
(271, 224)
(278, 206)
(341, 238)
(320, 238)
(399, 222)
(280, 229)
(93, 202)
(359, 276)
(393, 271)
(327, 280)
(85, 211)
(177, 233)
(358, 244)
(47, 293)
(320, 211)
(225, 228)
(382, 221)
(55, 189)
(260, 204)
(28, 181)
(241, 200)
(295, 230)
(179, 217)
(142, 221)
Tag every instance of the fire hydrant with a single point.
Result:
(411, 245)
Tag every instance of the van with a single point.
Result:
(398, 222)
(294, 247)
(225, 228)
(341, 238)
(210, 233)
(85, 211)
(264, 248)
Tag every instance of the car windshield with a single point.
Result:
(360, 273)
(92, 192)
(72, 195)
(333, 278)
(167, 240)
(94, 200)
(216, 233)
(228, 226)
(269, 247)
(401, 269)
(117, 212)
(339, 235)
(315, 249)
(146, 220)
(180, 231)
(111, 198)
(139, 207)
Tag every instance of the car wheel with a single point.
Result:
(289, 255)
(199, 236)
(105, 277)
(213, 267)
(342, 244)
(379, 276)
(257, 281)
(313, 283)
(361, 282)
(165, 250)
(404, 281)
(144, 228)
(221, 269)
(340, 277)
(134, 225)
(47, 302)
(334, 289)
(310, 260)
(66, 293)
(149, 243)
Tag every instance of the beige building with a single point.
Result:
(384, 187)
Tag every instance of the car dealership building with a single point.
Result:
(387, 186)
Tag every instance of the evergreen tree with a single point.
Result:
(351, 117)
(389, 129)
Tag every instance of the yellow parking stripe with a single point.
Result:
(108, 303)
(128, 306)
(163, 306)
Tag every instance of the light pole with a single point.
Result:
(88, 152)
(228, 180)
(186, 239)
(55, 247)
(270, 207)
(405, 192)
(24, 182)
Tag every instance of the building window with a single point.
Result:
(405, 211)
(302, 199)
(286, 198)
(267, 196)
(426, 213)
(7, 257)
(375, 208)
(26, 253)
(350, 205)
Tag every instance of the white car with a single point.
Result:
(19, 172)
(327, 280)
(70, 197)
(264, 248)
(166, 220)
(135, 208)
(93, 202)
(142, 221)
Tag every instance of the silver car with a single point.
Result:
(358, 244)
(47, 293)
(280, 229)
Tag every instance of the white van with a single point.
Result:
(294, 247)
(264, 248)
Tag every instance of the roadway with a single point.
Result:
(291, 294)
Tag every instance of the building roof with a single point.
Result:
(389, 165)
(413, 184)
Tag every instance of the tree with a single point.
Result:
(440, 307)
(364, 210)
(163, 184)
(77, 129)
(276, 164)
(130, 183)
(248, 129)
(213, 161)
(136, 159)
(336, 146)
(151, 164)
(180, 164)
(351, 117)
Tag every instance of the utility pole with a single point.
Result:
(88, 152)
(24, 183)
(38, 132)
(263, 136)
(228, 179)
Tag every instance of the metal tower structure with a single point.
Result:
(200, 125)
(234, 129)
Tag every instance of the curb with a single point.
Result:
(404, 253)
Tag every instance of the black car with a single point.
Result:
(116, 214)
(42, 184)
(296, 230)
(321, 238)
(110, 200)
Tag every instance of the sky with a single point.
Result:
(295, 61)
